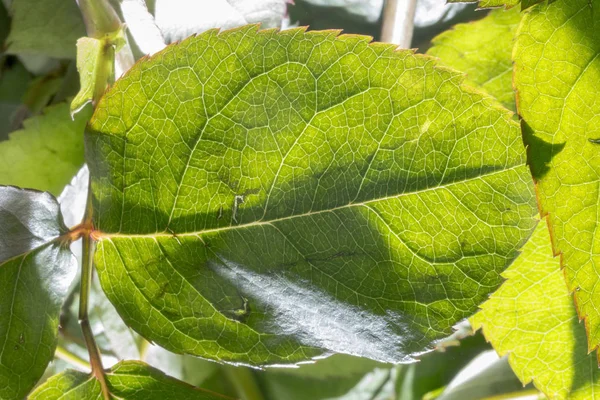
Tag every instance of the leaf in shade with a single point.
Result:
(36, 270)
(131, 380)
(266, 197)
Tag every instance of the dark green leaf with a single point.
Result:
(131, 380)
(35, 273)
(270, 197)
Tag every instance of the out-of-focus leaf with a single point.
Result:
(49, 27)
(131, 380)
(376, 385)
(486, 376)
(47, 153)
(14, 81)
(36, 270)
(557, 78)
(178, 19)
(141, 25)
(189, 369)
(532, 319)
(251, 193)
(369, 10)
(483, 50)
(327, 378)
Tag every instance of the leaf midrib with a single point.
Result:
(99, 235)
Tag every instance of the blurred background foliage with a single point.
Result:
(38, 77)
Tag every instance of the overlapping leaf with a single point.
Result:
(557, 77)
(269, 197)
(482, 49)
(35, 273)
(47, 153)
(129, 380)
(532, 319)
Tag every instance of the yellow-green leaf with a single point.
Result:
(557, 77)
(482, 49)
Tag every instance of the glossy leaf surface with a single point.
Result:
(557, 77)
(35, 274)
(265, 197)
(503, 3)
(131, 380)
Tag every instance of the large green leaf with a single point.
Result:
(269, 197)
(129, 380)
(49, 27)
(47, 153)
(482, 49)
(557, 77)
(532, 319)
(36, 270)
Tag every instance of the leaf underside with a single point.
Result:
(557, 77)
(35, 274)
(268, 197)
(131, 380)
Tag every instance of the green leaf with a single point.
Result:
(483, 49)
(47, 153)
(532, 319)
(557, 77)
(265, 197)
(129, 380)
(36, 270)
(49, 27)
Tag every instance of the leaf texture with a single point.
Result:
(35, 273)
(557, 77)
(503, 3)
(129, 380)
(266, 197)
(482, 49)
(532, 319)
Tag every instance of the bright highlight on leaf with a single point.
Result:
(557, 77)
(35, 273)
(266, 197)
(131, 380)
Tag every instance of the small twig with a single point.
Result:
(398, 22)
(84, 297)
(65, 355)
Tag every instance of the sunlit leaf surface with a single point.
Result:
(265, 197)
(482, 49)
(557, 77)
